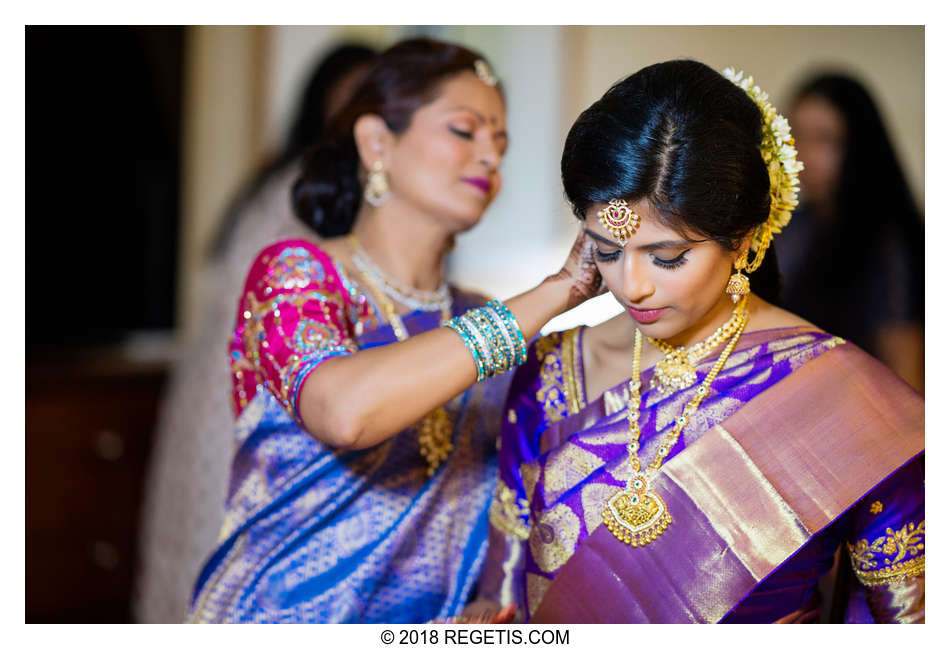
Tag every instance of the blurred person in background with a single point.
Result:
(194, 440)
(366, 432)
(852, 259)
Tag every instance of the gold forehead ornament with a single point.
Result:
(620, 220)
(485, 74)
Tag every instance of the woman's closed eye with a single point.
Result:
(675, 262)
(670, 264)
(606, 257)
(462, 133)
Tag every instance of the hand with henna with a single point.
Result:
(581, 270)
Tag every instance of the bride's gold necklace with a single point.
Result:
(636, 514)
(677, 370)
(435, 429)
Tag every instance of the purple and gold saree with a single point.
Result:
(804, 445)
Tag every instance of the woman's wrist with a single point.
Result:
(561, 291)
(534, 308)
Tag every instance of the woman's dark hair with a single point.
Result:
(873, 205)
(307, 127)
(685, 138)
(402, 79)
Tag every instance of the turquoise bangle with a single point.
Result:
(491, 334)
(482, 345)
(511, 354)
(456, 325)
(497, 346)
(521, 348)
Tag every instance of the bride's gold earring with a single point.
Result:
(377, 186)
(738, 283)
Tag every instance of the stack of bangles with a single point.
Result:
(492, 335)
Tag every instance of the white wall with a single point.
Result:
(890, 60)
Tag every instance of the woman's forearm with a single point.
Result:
(391, 387)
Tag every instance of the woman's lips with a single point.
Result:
(479, 183)
(646, 316)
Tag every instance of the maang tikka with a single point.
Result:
(620, 220)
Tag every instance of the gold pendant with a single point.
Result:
(636, 515)
(673, 373)
(435, 438)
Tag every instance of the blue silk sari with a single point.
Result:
(314, 534)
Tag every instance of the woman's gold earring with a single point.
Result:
(377, 186)
(738, 283)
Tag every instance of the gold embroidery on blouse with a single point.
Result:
(560, 391)
(569, 365)
(507, 512)
(551, 393)
(898, 552)
(877, 507)
(512, 416)
(309, 337)
(547, 344)
(892, 574)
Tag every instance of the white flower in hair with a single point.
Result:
(781, 159)
(732, 75)
(781, 129)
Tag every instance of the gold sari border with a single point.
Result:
(830, 432)
(741, 505)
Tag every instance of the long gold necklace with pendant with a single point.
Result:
(677, 369)
(435, 429)
(636, 514)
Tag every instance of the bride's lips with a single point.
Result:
(479, 183)
(646, 316)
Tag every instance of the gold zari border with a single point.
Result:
(506, 512)
(572, 387)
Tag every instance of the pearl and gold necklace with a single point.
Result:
(636, 514)
(435, 429)
(677, 369)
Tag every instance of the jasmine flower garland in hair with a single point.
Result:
(781, 157)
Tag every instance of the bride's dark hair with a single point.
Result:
(685, 138)
(399, 81)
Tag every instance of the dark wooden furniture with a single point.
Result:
(89, 422)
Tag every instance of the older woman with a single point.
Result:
(365, 459)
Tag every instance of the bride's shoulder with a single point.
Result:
(765, 315)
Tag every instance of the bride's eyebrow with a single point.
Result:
(682, 243)
(647, 247)
(594, 235)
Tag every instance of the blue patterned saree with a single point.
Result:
(314, 534)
